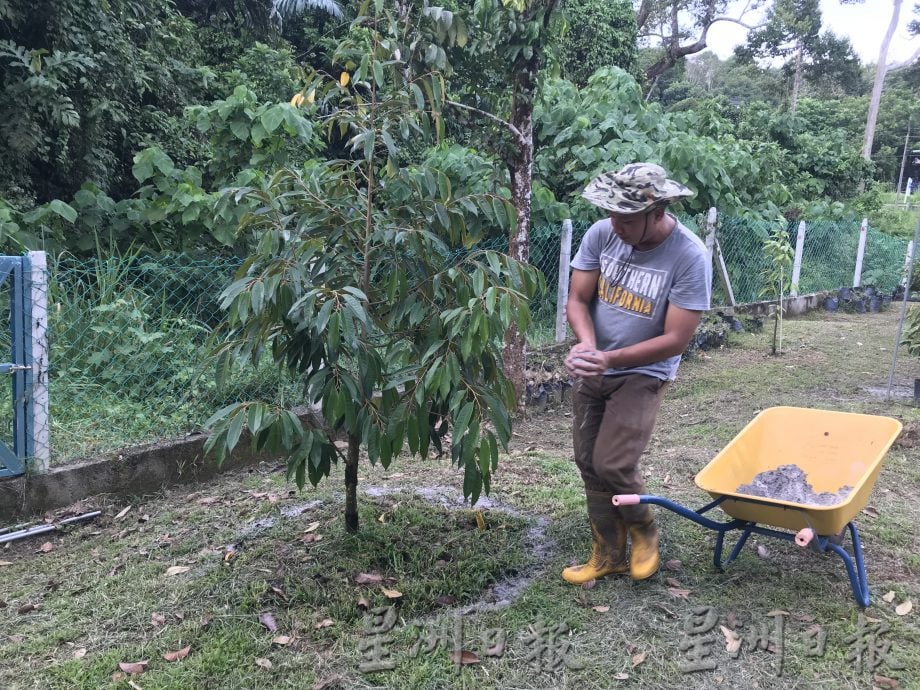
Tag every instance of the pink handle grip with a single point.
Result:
(626, 500)
(804, 536)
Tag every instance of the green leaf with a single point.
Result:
(235, 429)
(240, 129)
(256, 414)
(419, 97)
(272, 118)
(65, 211)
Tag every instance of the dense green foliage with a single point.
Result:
(125, 120)
(600, 33)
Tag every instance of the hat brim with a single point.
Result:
(613, 199)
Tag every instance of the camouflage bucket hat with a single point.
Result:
(635, 188)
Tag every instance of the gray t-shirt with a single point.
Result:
(633, 293)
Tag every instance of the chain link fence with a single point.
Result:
(129, 343)
(828, 257)
(130, 337)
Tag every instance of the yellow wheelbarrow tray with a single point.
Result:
(833, 449)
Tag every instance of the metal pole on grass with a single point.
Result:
(562, 293)
(897, 340)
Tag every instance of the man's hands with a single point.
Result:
(584, 359)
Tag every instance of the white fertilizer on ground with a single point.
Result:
(789, 483)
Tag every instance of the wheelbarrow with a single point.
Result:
(834, 449)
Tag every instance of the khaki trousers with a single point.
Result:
(614, 420)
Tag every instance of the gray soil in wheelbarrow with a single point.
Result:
(789, 483)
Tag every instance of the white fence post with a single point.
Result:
(711, 233)
(860, 252)
(38, 443)
(797, 264)
(714, 249)
(562, 293)
(908, 260)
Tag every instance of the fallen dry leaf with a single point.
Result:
(326, 682)
(311, 527)
(732, 639)
(178, 655)
(672, 582)
(325, 623)
(26, 608)
(368, 579)
(263, 663)
(638, 658)
(310, 538)
(281, 640)
(904, 609)
(363, 603)
(732, 619)
(888, 598)
(118, 676)
(382, 518)
(79, 653)
(621, 676)
(133, 668)
(679, 593)
(673, 564)
(446, 600)
(268, 620)
(124, 511)
(885, 681)
(601, 609)
(777, 612)
(390, 593)
(279, 591)
(177, 570)
(208, 500)
(3, 563)
(762, 551)
(871, 511)
(464, 658)
(46, 547)
(157, 618)
(589, 584)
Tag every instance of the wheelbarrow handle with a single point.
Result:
(626, 500)
(804, 536)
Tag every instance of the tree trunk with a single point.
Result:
(351, 484)
(521, 169)
(797, 81)
(880, 69)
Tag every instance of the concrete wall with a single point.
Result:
(793, 306)
(136, 471)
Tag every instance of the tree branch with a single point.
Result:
(642, 14)
(504, 123)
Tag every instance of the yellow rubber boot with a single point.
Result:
(644, 558)
(608, 550)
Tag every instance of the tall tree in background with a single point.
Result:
(507, 47)
(792, 29)
(682, 27)
(882, 68)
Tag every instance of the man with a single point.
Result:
(640, 283)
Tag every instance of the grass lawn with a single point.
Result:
(245, 583)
